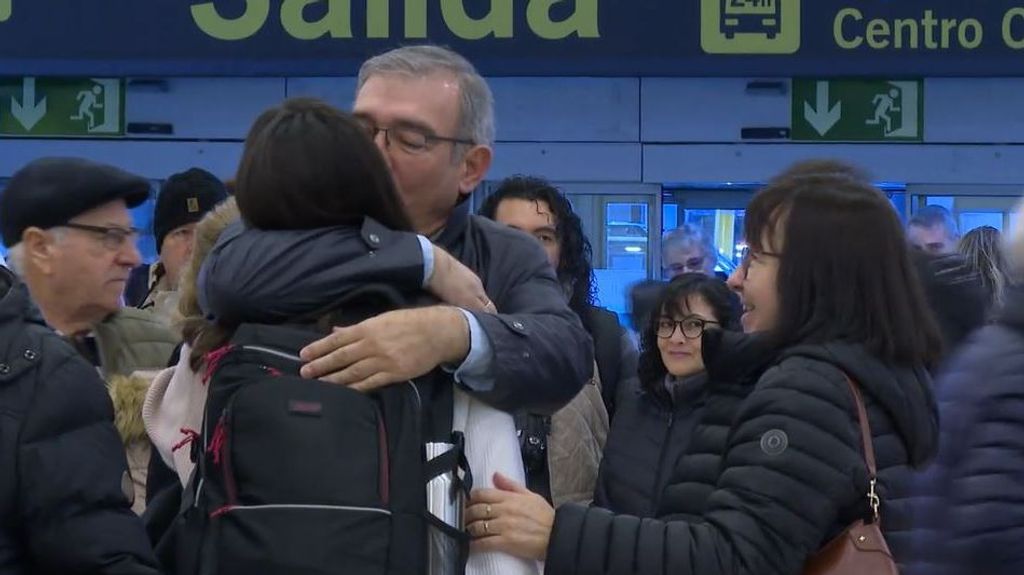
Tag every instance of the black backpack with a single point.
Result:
(303, 477)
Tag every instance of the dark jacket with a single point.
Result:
(542, 355)
(63, 474)
(773, 471)
(969, 513)
(651, 429)
(955, 294)
(615, 354)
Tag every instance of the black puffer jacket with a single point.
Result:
(772, 473)
(969, 517)
(63, 474)
(651, 430)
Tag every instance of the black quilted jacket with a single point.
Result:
(773, 470)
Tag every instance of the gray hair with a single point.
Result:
(686, 236)
(16, 258)
(16, 253)
(476, 106)
(1013, 247)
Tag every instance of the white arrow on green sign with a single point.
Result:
(61, 107)
(858, 110)
(821, 117)
(28, 112)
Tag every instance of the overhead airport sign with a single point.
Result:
(812, 38)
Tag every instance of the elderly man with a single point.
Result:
(431, 114)
(69, 234)
(687, 250)
(64, 487)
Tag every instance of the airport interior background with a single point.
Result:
(639, 153)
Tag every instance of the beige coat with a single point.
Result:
(130, 342)
(128, 394)
(575, 445)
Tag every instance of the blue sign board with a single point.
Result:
(819, 38)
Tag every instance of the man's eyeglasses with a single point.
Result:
(113, 237)
(692, 327)
(691, 265)
(410, 139)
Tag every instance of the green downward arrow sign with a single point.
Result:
(858, 110)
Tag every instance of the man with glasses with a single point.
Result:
(687, 250)
(431, 115)
(69, 234)
(65, 489)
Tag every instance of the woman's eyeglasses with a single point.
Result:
(692, 327)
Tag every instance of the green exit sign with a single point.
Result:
(858, 110)
(61, 107)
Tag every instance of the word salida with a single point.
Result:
(498, 22)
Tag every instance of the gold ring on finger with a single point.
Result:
(487, 528)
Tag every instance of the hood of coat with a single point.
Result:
(128, 394)
(905, 393)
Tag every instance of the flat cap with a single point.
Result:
(49, 192)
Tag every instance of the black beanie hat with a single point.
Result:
(184, 199)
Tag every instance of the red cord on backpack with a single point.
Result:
(217, 442)
(213, 360)
(190, 436)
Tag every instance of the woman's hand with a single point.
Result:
(511, 519)
(455, 284)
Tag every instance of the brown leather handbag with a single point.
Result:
(860, 549)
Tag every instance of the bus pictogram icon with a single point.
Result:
(750, 26)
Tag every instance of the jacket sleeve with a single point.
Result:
(253, 274)
(968, 515)
(769, 511)
(542, 356)
(72, 475)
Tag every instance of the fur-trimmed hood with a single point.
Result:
(128, 393)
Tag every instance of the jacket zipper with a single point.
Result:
(273, 352)
(656, 502)
(226, 469)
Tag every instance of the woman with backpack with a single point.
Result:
(307, 167)
(776, 468)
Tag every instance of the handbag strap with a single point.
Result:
(869, 448)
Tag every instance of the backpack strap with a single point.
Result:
(440, 425)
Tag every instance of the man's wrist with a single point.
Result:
(455, 331)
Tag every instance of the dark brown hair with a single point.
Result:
(845, 272)
(308, 165)
(575, 268)
(672, 301)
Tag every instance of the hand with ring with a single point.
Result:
(510, 518)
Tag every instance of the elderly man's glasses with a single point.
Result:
(113, 237)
